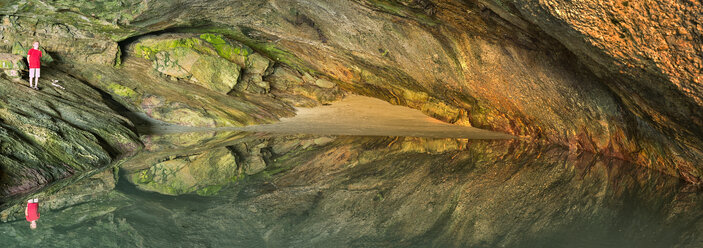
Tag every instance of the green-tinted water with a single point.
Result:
(208, 190)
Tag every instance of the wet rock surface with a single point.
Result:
(194, 59)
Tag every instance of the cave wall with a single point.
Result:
(574, 73)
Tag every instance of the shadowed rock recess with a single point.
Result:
(617, 78)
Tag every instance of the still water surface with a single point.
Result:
(252, 190)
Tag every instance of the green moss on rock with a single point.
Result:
(209, 190)
(148, 48)
(227, 49)
(212, 63)
(122, 90)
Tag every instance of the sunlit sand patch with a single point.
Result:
(360, 115)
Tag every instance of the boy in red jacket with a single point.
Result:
(32, 212)
(34, 60)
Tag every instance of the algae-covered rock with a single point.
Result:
(176, 63)
(53, 133)
(210, 61)
(138, 87)
(181, 114)
(215, 73)
(204, 172)
(233, 51)
(211, 72)
(256, 69)
(257, 64)
(12, 62)
(284, 77)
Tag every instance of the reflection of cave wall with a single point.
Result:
(204, 163)
(390, 192)
(524, 67)
(416, 192)
(451, 193)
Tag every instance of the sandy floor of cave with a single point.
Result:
(358, 115)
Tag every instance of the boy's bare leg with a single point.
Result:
(30, 82)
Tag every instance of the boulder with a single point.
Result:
(324, 83)
(207, 60)
(257, 64)
(211, 72)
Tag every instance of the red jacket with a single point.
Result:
(34, 58)
(32, 211)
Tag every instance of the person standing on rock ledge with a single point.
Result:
(32, 212)
(34, 60)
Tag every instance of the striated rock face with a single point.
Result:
(54, 133)
(651, 50)
(618, 78)
(649, 53)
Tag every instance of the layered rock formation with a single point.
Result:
(621, 79)
(54, 133)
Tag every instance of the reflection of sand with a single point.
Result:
(359, 115)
